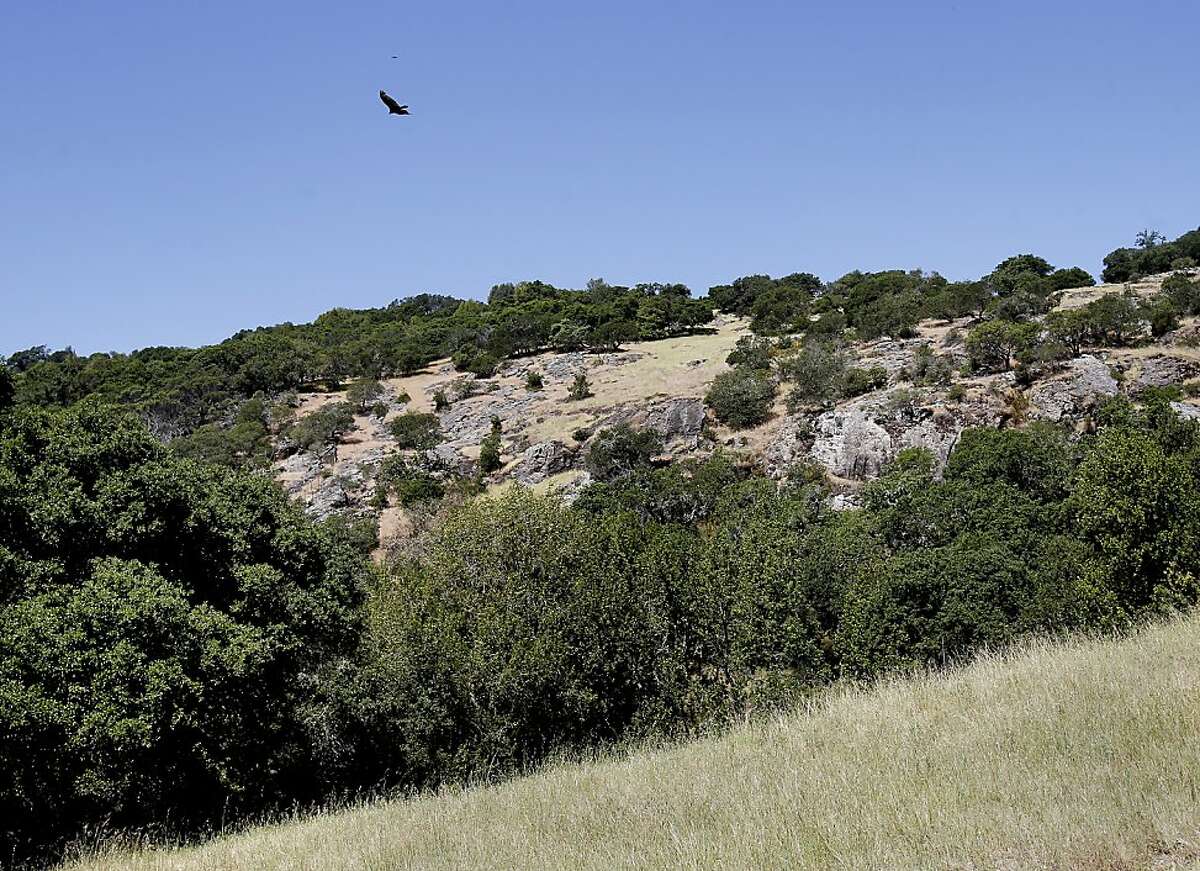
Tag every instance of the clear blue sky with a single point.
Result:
(171, 172)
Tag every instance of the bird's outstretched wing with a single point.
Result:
(392, 105)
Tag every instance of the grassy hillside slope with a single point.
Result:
(1084, 755)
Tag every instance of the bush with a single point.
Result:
(489, 450)
(581, 388)
(363, 393)
(992, 345)
(751, 352)
(533, 381)
(416, 431)
(477, 362)
(323, 426)
(814, 371)
(929, 368)
(856, 382)
(1183, 293)
(440, 400)
(741, 398)
(621, 450)
(407, 483)
(525, 628)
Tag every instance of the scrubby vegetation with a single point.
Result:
(1152, 254)
(178, 644)
(177, 390)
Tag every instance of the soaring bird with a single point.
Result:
(394, 108)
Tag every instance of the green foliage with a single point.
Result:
(363, 393)
(1183, 292)
(776, 305)
(406, 482)
(1114, 319)
(929, 368)
(8, 390)
(856, 382)
(686, 492)
(741, 398)
(479, 363)
(1065, 279)
(814, 371)
(580, 388)
(1151, 256)
(162, 626)
(622, 450)
(323, 426)
(751, 352)
(1037, 460)
(246, 444)
(489, 450)
(416, 430)
(992, 345)
(533, 381)
(440, 400)
(525, 628)
(1138, 506)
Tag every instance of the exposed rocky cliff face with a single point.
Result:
(661, 385)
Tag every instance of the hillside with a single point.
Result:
(1083, 755)
(661, 385)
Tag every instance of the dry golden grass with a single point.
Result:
(1083, 755)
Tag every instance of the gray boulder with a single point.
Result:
(1075, 391)
(680, 419)
(1163, 371)
(541, 460)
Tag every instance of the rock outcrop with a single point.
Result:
(541, 460)
(1076, 391)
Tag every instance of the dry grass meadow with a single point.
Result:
(1084, 755)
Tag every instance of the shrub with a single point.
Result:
(489, 449)
(440, 401)
(992, 345)
(533, 381)
(1163, 317)
(323, 426)
(741, 398)
(416, 431)
(856, 382)
(580, 388)
(524, 628)
(814, 371)
(621, 450)
(751, 352)
(479, 363)
(363, 393)
(581, 434)
(1120, 495)
(1183, 293)
(1114, 319)
(929, 368)
(406, 482)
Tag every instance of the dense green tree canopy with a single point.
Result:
(161, 625)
